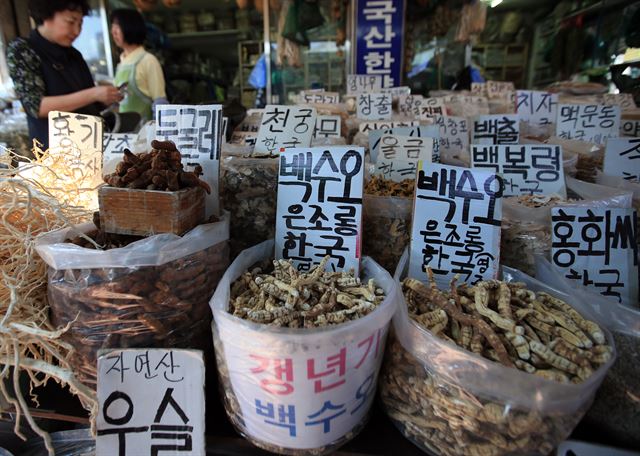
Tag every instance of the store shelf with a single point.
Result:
(203, 35)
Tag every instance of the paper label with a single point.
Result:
(359, 83)
(284, 127)
(591, 123)
(537, 108)
(496, 129)
(373, 106)
(622, 158)
(114, 146)
(328, 126)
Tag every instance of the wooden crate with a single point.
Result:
(146, 212)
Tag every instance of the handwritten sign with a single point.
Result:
(432, 107)
(525, 169)
(624, 100)
(454, 133)
(591, 123)
(319, 97)
(536, 108)
(285, 127)
(244, 138)
(422, 131)
(622, 158)
(630, 127)
(493, 89)
(397, 92)
(320, 206)
(251, 123)
(366, 127)
(496, 129)
(373, 106)
(225, 125)
(328, 126)
(114, 146)
(196, 131)
(151, 401)
(396, 170)
(466, 105)
(360, 83)
(456, 224)
(597, 248)
(409, 105)
(405, 148)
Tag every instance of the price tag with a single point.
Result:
(373, 106)
(622, 158)
(396, 170)
(597, 247)
(496, 129)
(590, 123)
(537, 108)
(624, 100)
(196, 132)
(359, 83)
(307, 97)
(151, 401)
(423, 131)
(114, 146)
(454, 133)
(328, 126)
(366, 127)
(630, 127)
(320, 206)
(285, 127)
(525, 169)
(456, 224)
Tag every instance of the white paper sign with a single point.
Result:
(320, 206)
(397, 92)
(496, 129)
(396, 170)
(466, 105)
(358, 83)
(366, 127)
(244, 138)
(596, 247)
(114, 146)
(251, 123)
(328, 126)
(454, 133)
(537, 108)
(624, 100)
(622, 158)
(591, 123)
(405, 148)
(526, 169)
(493, 89)
(630, 127)
(196, 132)
(456, 224)
(307, 97)
(422, 131)
(373, 106)
(479, 88)
(225, 125)
(409, 105)
(151, 401)
(284, 127)
(432, 107)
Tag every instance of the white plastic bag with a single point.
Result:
(449, 401)
(254, 359)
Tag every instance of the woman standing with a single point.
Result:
(48, 73)
(138, 69)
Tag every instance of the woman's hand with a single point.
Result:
(107, 94)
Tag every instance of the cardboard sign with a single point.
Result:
(454, 133)
(396, 170)
(630, 127)
(366, 127)
(360, 83)
(591, 123)
(432, 107)
(78, 138)
(151, 401)
(196, 132)
(456, 224)
(423, 131)
(328, 126)
(244, 138)
(537, 108)
(624, 100)
(285, 127)
(622, 158)
(525, 169)
(409, 105)
(114, 146)
(307, 97)
(320, 206)
(597, 247)
(405, 148)
(373, 106)
(496, 129)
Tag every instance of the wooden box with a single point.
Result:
(147, 212)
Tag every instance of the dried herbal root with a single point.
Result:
(288, 298)
(379, 186)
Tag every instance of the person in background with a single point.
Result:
(48, 73)
(139, 69)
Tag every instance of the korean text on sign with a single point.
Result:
(525, 169)
(456, 224)
(320, 206)
(406, 147)
(496, 129)
(629, 127)
(373, 106)
(538, 109)
(319, 97)
(285, 127)
(328, 126)
(361, 83)
(151, 401)
(597, 248)
(396, 170)
(591, 123)
(366, 127)
(114, 146)
(454, 133)
(622, 158)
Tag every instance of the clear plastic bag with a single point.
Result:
(387, 228)
(245, 382)
(151, 293)
(616, 409)
(249, 191)
(621, 184)
(449, 401)
(78, 442)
